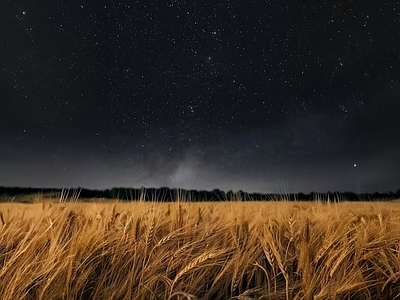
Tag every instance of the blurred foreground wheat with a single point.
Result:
(226, 250)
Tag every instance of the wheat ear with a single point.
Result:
(150, 233)
(198, 260)
(2, 219)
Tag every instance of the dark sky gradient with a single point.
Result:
(262, 96)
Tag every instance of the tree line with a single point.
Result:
(166, 194)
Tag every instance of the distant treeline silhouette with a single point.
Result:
(166, 194)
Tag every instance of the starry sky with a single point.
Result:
(253, 95)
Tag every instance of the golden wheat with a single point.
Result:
(226, 250)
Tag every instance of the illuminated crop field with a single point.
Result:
(182, 250)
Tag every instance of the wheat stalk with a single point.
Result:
(137, 229)
(168, 237)
(2, 219)
(150, 233)
(195, 262)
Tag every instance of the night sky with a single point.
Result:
(260, 96)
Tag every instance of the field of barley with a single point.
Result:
(182, 250)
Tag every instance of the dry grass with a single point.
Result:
(226, 250)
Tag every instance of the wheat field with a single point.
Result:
(181, 250)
